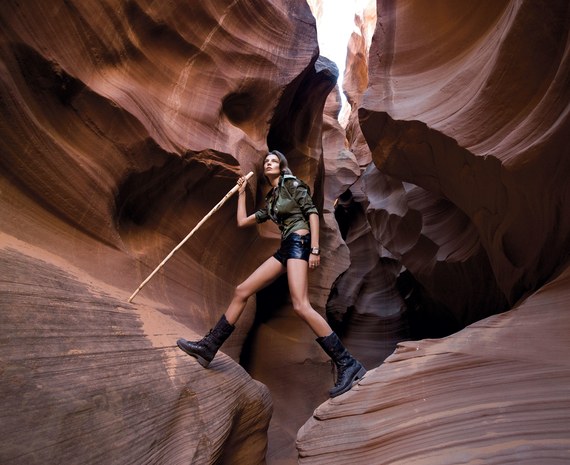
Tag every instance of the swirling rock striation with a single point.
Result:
(123, 125)
(465, 133)
(88, 378)
(466, 119)
(456, 400)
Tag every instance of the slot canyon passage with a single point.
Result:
(445, 218)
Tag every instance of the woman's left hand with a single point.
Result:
(314, 261)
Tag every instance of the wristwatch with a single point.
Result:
(315, 251)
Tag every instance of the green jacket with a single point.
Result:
(289, 205)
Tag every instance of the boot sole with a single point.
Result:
(357, 377)
(201, 360)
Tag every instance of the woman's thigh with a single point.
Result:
(298, 279)
(264, 275)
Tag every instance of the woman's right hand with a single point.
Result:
(242, 183)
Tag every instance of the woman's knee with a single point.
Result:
(242, 292)
(303, 309)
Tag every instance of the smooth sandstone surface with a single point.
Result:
(88, 378)
(496, 392)
(124, 123)
(466, 119)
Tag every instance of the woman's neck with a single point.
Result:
(274, 181)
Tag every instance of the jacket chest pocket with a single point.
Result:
(285, 207)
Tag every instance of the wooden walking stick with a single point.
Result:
(202, 221)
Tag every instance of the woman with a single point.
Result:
(288, 204)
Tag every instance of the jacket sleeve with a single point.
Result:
(261, 215)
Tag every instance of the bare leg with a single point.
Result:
(265, 274)
(298, 279)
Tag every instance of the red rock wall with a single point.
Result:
(465, 119)
(464, 132)
(455, 207)
(496, 392)
(123, 124)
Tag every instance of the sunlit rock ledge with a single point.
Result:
(90, 378)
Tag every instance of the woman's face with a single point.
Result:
(271, 165)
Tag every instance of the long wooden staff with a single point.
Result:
(212, 211)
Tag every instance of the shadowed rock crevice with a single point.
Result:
(46, 79)
(244, 105)
(296, 127)
(438, 262)
(171, 182)
(239, 107)
(402, 269)
(480, 187)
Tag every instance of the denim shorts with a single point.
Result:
(294, 246)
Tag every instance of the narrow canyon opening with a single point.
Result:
(342, 29)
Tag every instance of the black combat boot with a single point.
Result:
(205, 349)
(349, 370)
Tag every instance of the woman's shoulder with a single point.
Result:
(293, 182)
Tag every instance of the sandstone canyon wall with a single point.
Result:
(124, 122)
(461, 129)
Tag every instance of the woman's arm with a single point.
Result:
(314, 259)
(314, 225)
(243, 219)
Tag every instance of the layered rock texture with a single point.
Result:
(496, 392)
(465, 115)
(445, 215)
(123, 124)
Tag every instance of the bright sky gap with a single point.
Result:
(335, 22)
